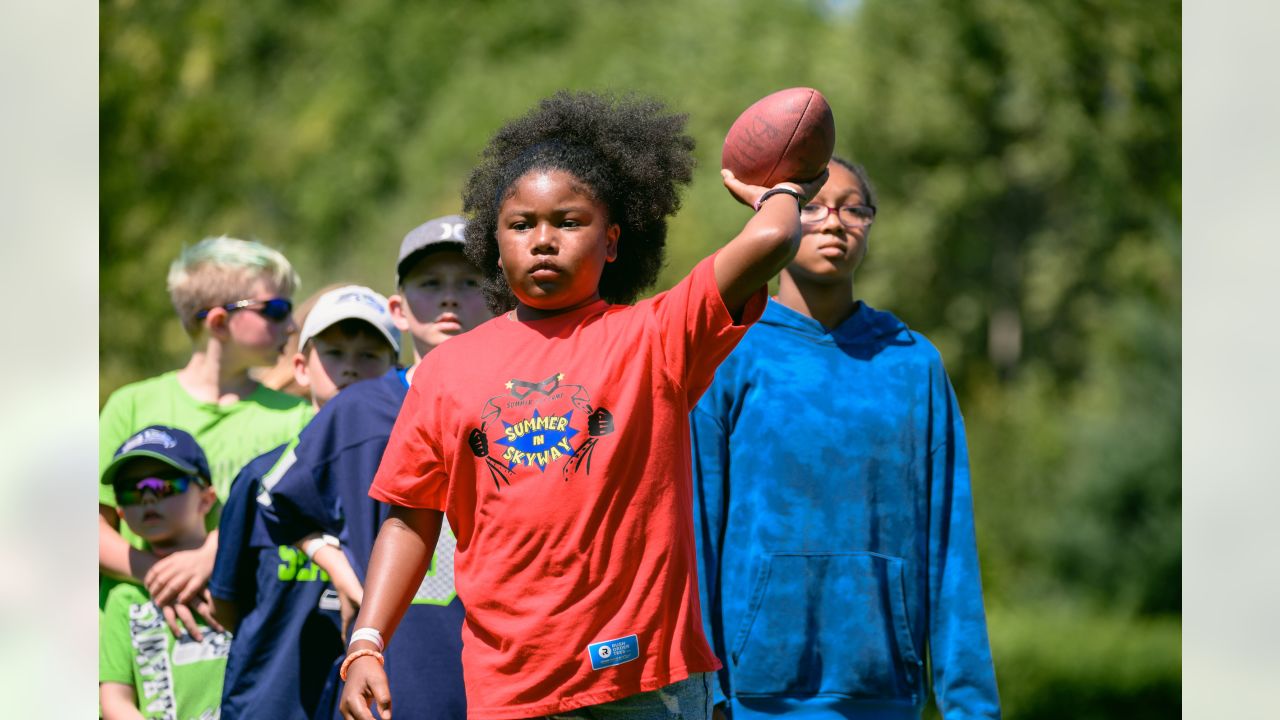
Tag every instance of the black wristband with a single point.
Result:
(778, 191)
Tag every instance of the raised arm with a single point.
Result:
(767, 242)
(401, 556)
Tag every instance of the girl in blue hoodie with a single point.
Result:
(832, 506)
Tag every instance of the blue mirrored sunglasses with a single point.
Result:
(276, 309)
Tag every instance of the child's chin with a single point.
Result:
(153, 532)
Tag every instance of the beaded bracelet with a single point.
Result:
(780, 190)
(352, 657)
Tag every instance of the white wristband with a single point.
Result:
(312, 546)
(367, 633)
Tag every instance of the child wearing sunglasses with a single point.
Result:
(280, 604)
(233, 299)
(161, 485)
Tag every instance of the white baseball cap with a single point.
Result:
(353, 302)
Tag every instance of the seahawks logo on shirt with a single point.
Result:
(539, 424)
(154, 663)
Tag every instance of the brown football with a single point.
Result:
(788, 135)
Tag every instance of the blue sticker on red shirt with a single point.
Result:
(613, 652)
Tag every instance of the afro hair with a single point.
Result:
(629, 152)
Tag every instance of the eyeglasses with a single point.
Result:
(160, 488)
(849, 215)
(276, 309)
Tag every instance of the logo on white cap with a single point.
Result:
(354, 302)
(361, 296)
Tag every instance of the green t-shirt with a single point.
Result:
(173, 679)
(230, 435)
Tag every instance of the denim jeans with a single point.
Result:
(689, 699)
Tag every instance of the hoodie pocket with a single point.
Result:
(827, 623)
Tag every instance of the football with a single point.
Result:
(788, 135)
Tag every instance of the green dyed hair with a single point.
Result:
(221, 270)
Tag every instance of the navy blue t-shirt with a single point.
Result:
(283, 652)
(326, 489)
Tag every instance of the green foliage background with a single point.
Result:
(1027, 158)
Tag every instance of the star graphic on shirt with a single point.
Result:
(509, 385)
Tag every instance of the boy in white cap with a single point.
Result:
(349, 335)
(280, 604)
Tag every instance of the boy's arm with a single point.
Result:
(176, 582)
(226, 612)
(118, 701)
(766, 244)
(182, 576)
(333, 561)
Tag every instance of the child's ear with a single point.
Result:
(399, 312)
(611, 237)
(300, 373)
(216, 323)
(208, 496)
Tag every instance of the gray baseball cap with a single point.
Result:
(442, 233)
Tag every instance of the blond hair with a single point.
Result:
(221, 270)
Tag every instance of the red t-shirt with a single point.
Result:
(559, 449)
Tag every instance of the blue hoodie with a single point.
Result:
(832, 506)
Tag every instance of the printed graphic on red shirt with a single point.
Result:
(539, 424)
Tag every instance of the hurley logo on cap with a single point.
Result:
(150, 436)
(452, 231)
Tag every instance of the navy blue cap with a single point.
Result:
(168, 445)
